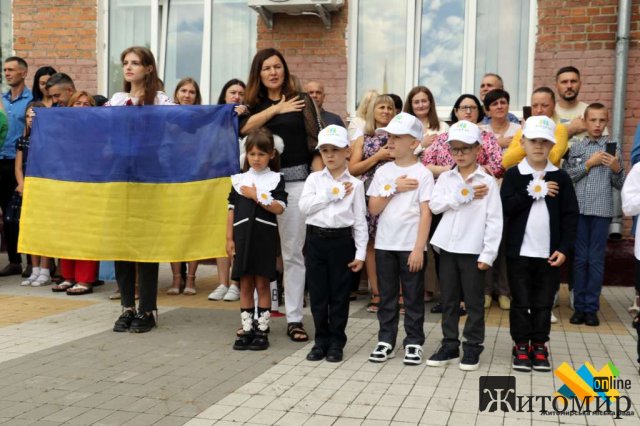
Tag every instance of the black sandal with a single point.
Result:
(297, 329)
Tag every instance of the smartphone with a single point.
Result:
(611, 148)
(526, 112)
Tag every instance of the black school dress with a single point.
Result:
(255, 230)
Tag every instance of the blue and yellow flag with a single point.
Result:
(145, 184)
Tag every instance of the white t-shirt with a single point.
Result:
(398, 222)
(121, 98)
(537, 234)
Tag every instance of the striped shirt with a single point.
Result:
(594, 188)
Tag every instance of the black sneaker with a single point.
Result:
(444, 356)
(540, 357)
(124, 321)
(470, 360)
(142, 323)
(260, 341)
(412, 355)
(521, 360)
(243, 341)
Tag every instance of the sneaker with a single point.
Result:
(470, 360)
(41, 281)
(142, 323)
(443, 356)
(218, 293)
(232, 294)
(571, 300)
(540, 357)
(553, 318)
(504, 302)
(382, 352)
(412, 355)
(487, 301)
(124, 321)
(29, 280)
(521, 360)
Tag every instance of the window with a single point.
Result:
(189, 38)
(446, 45)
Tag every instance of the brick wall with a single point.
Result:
(59, 33)
(313, 52)
(583, 34)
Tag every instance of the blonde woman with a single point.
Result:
(356, 125)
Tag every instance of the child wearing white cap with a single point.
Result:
(467, 238)
(334, 204)
(541, 213)
(400, 194)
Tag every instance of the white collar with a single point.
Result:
(525, 168)
(478, 171)
(344, 174)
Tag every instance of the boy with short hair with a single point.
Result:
(336, 243)
(400, 192)
(468, 238)
(541, 215)
(595, 173)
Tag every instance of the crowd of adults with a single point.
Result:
(272, 98)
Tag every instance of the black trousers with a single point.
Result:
(392, 271)
(147, 284)
(460, 279)
(533, 285)
(329, 283)
(8, 186)
(637, 283)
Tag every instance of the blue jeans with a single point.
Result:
(588, 266)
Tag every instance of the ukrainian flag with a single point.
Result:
(147, 184)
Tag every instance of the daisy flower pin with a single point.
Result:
(387, 189)
(537, 189)
(336, 191)
(465, 193)
(264, 197)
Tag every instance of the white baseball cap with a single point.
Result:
(540, 126)
(404, 124)
(466, 132)
(333, 135)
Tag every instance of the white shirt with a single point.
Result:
(265, 180)
(316, 203)
(121, 98)
(537, 234)
(631, 201)
(399, 221)
(474, 227)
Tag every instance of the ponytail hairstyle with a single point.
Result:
(152, 83)
(262, 139)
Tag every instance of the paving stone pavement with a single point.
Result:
(66, 366)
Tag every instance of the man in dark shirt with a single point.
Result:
(315, 89)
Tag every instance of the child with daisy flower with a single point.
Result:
(256, 197)
(400, 194)
(334, 205)
(541, 216)
(467, 238)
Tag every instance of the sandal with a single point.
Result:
(296, 332)
(79, 289)
(373, 306)
(63, 286)
(174, 290)
(115, 295)
(190, 291)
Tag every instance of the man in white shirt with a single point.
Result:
(569, 110)
(334, 204)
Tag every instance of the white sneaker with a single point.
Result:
(412, 355)
(28, 281)
(218, 293)
(382, 352)
(41, 281)
(553, 318)
(233, 294)
(571, 300)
